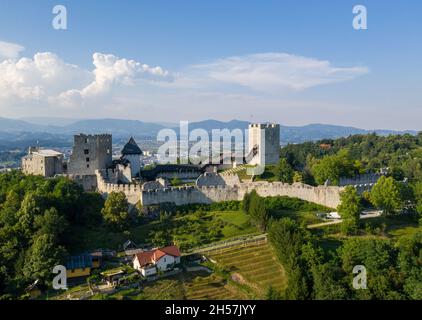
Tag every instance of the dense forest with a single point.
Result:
(393, 268)
(332, 159)
(34, 216)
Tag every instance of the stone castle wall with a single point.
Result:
(362, 179)
(88, 182)
(90, 153)
(326, 196)
(132, 191)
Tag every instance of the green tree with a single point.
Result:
(115, 211)
(386, 195)
(9, 208)
(417, 191)
(42, 256)
(258, 212)
(68, 199)
(32, 206)
(298, 177)
(409, 261)
(378, 256)
(246, 201)
(159, 238)
(325, 284)
(297, 288)
(284, 172)
(349, 210)
(51, 222)
(287, 239)
(334, 167)
(273, 294)
(92, 203)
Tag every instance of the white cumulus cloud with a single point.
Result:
(110, 70)
(38, 78)
(47, 78)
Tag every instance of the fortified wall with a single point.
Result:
(326, 196)
(233, 189)
(104, 186)
(88, 182)
(362, 179)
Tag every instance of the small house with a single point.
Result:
(113, 277)
(79, 266)
(148, 263)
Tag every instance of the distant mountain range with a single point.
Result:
(49, 129)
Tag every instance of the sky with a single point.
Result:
(292, 62)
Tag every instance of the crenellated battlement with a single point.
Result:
(325, 195)
(104, 186)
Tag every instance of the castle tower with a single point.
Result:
(90, 153)
(264, 143)
(132, 153)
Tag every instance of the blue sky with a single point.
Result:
(294, 62)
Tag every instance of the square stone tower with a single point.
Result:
(90, 153)
(264, 143)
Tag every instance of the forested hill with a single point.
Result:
(370, 152)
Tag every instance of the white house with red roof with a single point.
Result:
(149, 262)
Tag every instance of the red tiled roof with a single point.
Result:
(153, 256)
(144, 257)
(171, 250)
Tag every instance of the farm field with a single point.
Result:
(211, 287)
(255, 265)
(192, 286)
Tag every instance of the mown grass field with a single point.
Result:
(256, 264)
(330, 237)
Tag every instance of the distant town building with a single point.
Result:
(43, 162)
(325, 146)
(90, 153)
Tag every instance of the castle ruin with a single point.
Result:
(91, 165)
(90, 153)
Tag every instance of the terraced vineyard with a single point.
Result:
(211, 287)
(254, 265)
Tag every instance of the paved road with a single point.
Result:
(366, 214)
